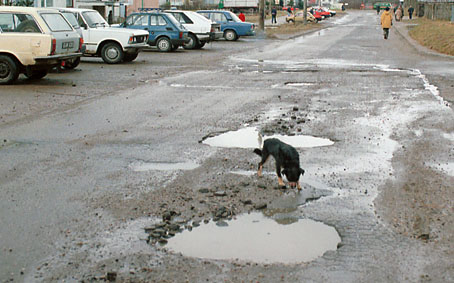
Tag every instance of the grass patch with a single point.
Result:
(436, 35)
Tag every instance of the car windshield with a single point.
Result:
(56, 22)
(71, 19)
(94, 19)
(235, 17)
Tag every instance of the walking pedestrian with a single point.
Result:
(410, 12)
(343, 6)
(386, 22)
(273, 15)
(110, 18)
(289, 11)
(242, 17)
(378, 8)
(399, 14)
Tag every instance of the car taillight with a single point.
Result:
(54, 47)
(181, 34)
(81, 42)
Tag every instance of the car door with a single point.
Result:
(158, 27)
(219, 18)
(13, 26)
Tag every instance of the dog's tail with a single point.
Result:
(258, 152)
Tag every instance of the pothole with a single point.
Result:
(256, 238)
(141, 166)
(249, 138)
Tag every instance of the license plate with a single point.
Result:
(67, 45)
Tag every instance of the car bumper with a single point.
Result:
(250, 33)
(179, 42)
(55, 59)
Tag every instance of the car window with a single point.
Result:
(182, 18)
(157, 20)
(235, 17)
(140, 20)
(94, 19)
(56, 22)
(71, 19)
(11, 22)
(206, 15)
(218, 17)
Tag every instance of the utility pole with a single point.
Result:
(262, 15)
(305, 11)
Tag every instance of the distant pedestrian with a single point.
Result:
(410, 12)
(399, 14)
(386, 22)
(343, 6)
(289, 11)
(273, 15)
(378, 8)
(242, 17)
(110, 18)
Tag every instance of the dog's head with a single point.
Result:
(293, 175)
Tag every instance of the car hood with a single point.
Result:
(118, 29)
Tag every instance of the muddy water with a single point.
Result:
(249, 138)
(256, 238)
(162, 166)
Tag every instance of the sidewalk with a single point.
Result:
(402, 29)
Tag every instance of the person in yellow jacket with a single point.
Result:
(386, 22)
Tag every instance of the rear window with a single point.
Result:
(56, 22)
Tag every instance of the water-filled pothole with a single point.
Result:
(256, 238)
(249, 138)
(162, 166)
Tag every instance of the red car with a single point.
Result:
(317, 14)
(322, 12)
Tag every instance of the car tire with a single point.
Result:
(129, 57)
(71, 64)
(36, 74)
(164, 45)
(291, 21)
(28, 26)
(193, 42)
(230, 35)
(9, 70)
(112, 53)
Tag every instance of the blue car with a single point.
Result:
(166, 33)
(231, 25)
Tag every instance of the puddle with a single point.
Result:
(249, 138)
(253, 237)
(162, 166)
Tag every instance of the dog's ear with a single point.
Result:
(302, 171)
(284, 172)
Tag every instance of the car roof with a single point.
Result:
(76, 9)
(26, 9)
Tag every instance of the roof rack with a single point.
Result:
(150, 10)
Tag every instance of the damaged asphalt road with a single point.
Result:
(87, 190)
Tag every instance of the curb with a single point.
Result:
(402, 30)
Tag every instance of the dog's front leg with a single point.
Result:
(298, 186)
(259, 171)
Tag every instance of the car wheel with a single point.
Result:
(36, 74)
(193, 42)
(112, 53)
(129, 57)
(230, 35)
(291, 21)
(71, 64)
(164, 44)
(8, 70)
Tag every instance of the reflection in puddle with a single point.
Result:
(249, 138)
(253, 237)
(162, 166)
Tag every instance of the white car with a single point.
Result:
(113, 45)
(33, 41)
(201, 30)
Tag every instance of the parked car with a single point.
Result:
(113, 45)
(299, 17)
(165, 32)
(34, 40)
(231, 25)
(71, 18)
(320, 11)
(201, 30)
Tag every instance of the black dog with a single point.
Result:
(286, 157)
